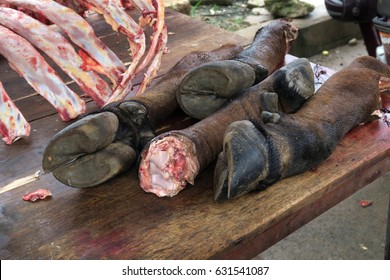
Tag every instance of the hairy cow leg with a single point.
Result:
(300, 141)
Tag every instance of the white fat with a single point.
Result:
(159, 159)
(161, 182)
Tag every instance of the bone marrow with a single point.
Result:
(168, 165)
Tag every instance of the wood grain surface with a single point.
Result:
(118, 220)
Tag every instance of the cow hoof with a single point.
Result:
(135, 111)
(85, 136)
(138, 115)
(268, 117)
(209, 86)
(294, 83)
(93, 169)
(244, 161)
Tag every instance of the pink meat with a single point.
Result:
(37, 195)
(167, 167)
(12, 123)
(59, 50)
(24, 59)
(79, 31)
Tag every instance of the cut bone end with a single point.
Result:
(168, 165)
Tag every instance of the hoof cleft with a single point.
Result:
(84, 136)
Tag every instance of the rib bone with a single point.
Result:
(58, 49)
(27, 61)
(12, 122)
(79, 31)
(154, 15)
(122, 22)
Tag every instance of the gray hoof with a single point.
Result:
(84, 136)
(93, 169)
(84, 155)
(206, 88)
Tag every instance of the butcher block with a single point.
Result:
(118, 220)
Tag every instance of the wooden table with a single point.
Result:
(118, 220)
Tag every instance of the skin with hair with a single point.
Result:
(302, 140)
(176, 157)
(105, 143)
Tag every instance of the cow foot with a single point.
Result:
(98, 146)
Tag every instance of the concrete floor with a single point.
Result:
(347, 231)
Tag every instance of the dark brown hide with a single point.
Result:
(299, 141)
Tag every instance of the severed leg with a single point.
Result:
(175, 158)
(106, 143)
(255, 154)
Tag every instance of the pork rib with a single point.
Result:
(59, 50)
(12, 123)
(80, 32)
(27, 61)
(120, 21)
(153, 14)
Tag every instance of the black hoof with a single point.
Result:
(207, 87)
(138, 115)
(244, 161)
(294, 83)
(88, 135)
(83, 155)
(93, 169)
